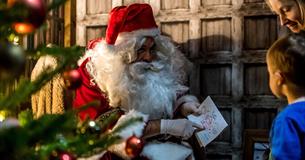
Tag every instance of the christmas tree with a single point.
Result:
(60, 136)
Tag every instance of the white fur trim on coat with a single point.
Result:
(166, 151)
(184, 99)
(94, 157)
(136, 129)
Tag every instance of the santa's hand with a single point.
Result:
(178, 127)
(188, 108)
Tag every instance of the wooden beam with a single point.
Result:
(94, 20)
(80, 28)
(67, 24)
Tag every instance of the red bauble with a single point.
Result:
(72, 79)
(36, 15)
(66, 156)
(61, 155)
(134, 146)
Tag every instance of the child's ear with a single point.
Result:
(280, 78)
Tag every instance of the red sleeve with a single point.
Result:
(89, 92)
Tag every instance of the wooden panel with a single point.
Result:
(58, 33)
(218, 157)
(256, 79)
(259, 118)
(128, 2)
(225, 136)
(67, 23)
(216, 35)
(55, 32)
(260, 32)
(253, 56)
(179, 33)
(237, 123)
(95, 32)
(97, 6)
(195, 36)
(253, 1)
(253, 137)
(215, 2)
(8, 87)
(174, 4)
(215, 80)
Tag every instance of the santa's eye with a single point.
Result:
(141, 50)
(154, 46)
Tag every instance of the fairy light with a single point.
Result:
(23, 28)
(65, 156)
(90, 142)
(2, 115)
(92, 123)
(16, 40)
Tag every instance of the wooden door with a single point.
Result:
(227, 41)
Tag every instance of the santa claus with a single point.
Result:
(140, 71)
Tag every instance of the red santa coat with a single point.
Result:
(89, 92)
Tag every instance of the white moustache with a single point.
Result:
(155, 66)
(139, 69)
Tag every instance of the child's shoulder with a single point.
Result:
(294, 111)
(298, 106)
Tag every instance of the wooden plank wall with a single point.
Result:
(227, 41)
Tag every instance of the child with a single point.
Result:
(286, 64)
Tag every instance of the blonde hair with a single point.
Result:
(301, 5)
(288, 55)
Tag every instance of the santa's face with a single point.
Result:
(150, 87)
(145, 52)
(142, 73)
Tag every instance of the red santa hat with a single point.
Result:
(129, 18)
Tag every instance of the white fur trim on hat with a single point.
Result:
(129, 41)
(140, 32)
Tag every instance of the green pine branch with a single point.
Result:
(26, 88)
(39, 138)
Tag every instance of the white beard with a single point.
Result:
(150, 88)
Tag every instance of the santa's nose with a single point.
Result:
(146, 56)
